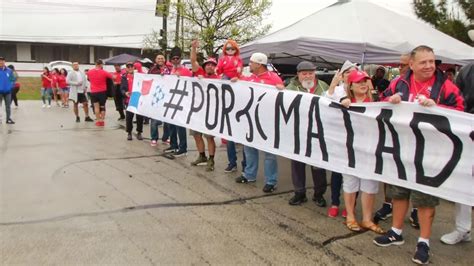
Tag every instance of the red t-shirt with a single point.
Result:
(54, 80)
(98, 79)
(267, 77)
(130, 85)
(229, 66)
(420, 88)
(45, 82)
(366, 100)
(201, 72)
(117, 77)
(61, 81)
(181, 71)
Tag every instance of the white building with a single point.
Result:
(40, 31)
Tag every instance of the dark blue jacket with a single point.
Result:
(6, 76)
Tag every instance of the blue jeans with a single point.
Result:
(175, 133)
(46, 93)
(270, 166)
(8, 101)
(336, 184)
(232, 155)
(155, 135)
(166, 132)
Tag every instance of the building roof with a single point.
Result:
(115, 23)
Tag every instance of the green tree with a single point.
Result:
(215, 21)
(449, 21)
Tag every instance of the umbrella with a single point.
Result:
(121, 59)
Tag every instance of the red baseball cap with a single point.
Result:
(210, 60)
(356, 76)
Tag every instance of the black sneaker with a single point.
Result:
(88, 119)
(139, 136)
(78, 119)
(9, 121)
(121, 118)
(169, 150)
(230, 168)
(383, 213)
(269, 188)
(390, 238)
(242, 179)
(422, 253)
(298, 199)
(414, 219)
(129, 136)
(180, 153)
(320, 201)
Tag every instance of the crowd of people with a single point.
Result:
(420, 81)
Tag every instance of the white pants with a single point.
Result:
(352, 184)
(463, 217)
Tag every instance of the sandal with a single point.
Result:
(372, 227)
(353, 226)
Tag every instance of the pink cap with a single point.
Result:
(356, 76)
(210, 60)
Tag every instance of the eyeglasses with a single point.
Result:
(129, 66)
(175, 58)
(230, 49)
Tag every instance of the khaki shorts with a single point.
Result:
(418, 199)
(197, 133)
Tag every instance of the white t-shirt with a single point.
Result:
(79, 76)
(339, 93)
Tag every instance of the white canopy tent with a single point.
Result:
(359, 31)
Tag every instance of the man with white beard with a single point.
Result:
(306, 81)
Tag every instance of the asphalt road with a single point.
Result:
(71, 193)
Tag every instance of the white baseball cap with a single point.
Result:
(259, 58)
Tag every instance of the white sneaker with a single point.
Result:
(456, 237)
(49, 106)
(44, 105)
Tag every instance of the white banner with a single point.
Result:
(426, 149)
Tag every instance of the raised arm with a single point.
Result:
(194, 62)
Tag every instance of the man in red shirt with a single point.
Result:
(159, 68)
(180, 149)
(425, 84)
(118, 97)
(260, 74)
(98, 85)
(208, 71)
(126, 89)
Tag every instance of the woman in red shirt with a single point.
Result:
(63, 87)
(46, 89)
(359, 91)
(54, 84)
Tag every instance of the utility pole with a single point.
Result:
(178, 18)
(162, 9)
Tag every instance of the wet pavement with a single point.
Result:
(72, 193)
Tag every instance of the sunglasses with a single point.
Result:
(230, 49)
(175, 58)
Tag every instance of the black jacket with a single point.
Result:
(465, 82)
